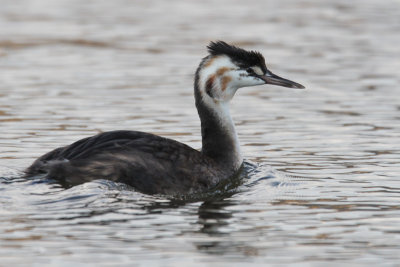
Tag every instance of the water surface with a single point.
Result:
(321, 183)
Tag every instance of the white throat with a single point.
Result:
(222, 111)
(213, 106)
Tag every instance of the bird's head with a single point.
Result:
(228, 68)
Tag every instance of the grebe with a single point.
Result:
(157, 165)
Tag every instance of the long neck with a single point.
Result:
(219, 139)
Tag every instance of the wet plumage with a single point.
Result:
(157, 165)
(150, 163)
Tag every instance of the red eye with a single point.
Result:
(250, 70)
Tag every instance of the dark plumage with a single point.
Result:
(157, 165)
(150, 163)
(242, 57)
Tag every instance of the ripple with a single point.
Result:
(321, 181)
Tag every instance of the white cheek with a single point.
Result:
(244, 81)
(255, 81)
(218, 62)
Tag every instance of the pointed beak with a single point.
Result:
(270, 78)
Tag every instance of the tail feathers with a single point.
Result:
(41, 167)
(70, 173)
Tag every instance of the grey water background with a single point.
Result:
(321, 185)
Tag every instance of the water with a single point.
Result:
(321, 184)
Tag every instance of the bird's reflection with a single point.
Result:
(215, 219)
(213, 216)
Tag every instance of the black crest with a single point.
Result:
(239, 55)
